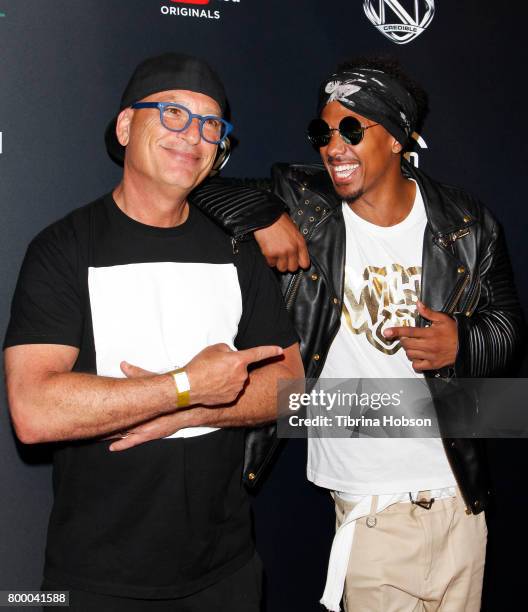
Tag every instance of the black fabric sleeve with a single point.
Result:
(47, 304)
(264, 318)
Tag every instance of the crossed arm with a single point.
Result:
(49, 402)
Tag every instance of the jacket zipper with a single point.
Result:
(296, 280)
(473, 299)
(292, 289)
(458, 293)
(447, 240)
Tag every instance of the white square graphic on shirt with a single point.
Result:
(159, 315)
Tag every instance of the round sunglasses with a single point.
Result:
(350, 130)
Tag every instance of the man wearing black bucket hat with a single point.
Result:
(124, 326)
(408, 278)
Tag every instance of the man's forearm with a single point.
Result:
(70, 405)
(238, 206)
(49, 403)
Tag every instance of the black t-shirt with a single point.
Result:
(169, 517)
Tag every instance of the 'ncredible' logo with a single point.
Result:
(396, 22)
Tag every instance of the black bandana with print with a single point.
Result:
(374, 95)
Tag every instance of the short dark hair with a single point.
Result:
(392, 67)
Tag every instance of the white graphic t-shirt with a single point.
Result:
(382, 285)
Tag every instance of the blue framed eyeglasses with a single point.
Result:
(178, 118)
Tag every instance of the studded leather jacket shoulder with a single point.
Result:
(465, 272)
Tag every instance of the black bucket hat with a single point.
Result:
(163, 73)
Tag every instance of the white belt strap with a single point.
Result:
(342, 546)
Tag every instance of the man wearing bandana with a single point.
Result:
(406, 278)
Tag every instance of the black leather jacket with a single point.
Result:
(465, 273)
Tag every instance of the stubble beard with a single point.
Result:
(350, 198)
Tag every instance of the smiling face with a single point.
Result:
(178, 160)
(358, 170)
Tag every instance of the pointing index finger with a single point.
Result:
(258, 353)
(403, 332)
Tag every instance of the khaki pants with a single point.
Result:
(416, 560)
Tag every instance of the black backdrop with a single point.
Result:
(63, 66)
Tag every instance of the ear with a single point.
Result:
(396, 147)
(123, 126)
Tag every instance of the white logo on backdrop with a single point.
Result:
(412, 156)
(195, 8)
(396, 22)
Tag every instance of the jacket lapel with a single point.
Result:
(444, 276)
